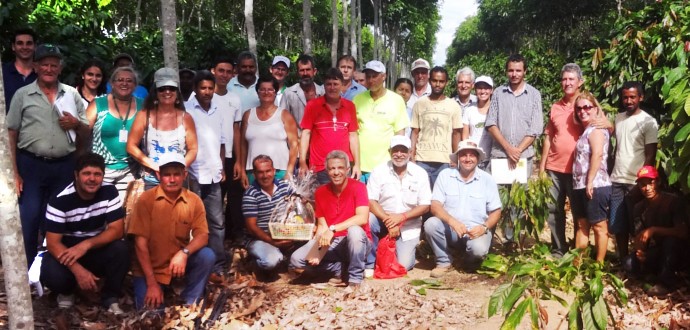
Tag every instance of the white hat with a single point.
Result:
(375, 66)
(467, 145)
(420, 63)
(170, 158)
(400, 140)
(166, 77)
(281, 58)
(485, 79)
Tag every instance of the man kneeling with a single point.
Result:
(466, 205)
(162, 221)
(342, 212)
(84, 227)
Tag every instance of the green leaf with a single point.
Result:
(596, 287)
(687, 106)
(498, 297)
(337, 309)
(574, 322)
(516, 316)
(682, 135)
(516, 292)
(600, 313)
(422, 291)
(533, 312)
(417, 282)
(587, 317)
(523, 268)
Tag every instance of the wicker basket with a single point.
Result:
(291, 231)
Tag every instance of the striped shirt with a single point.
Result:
(257, 204)
(72, 216)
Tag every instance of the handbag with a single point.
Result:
(387, 265)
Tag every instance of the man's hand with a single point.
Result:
(178, 263)
(154, 295)
(477, 231)
(513, 154)
(641, 255)
(283, 243)
(222, 176)
(393, 220)
(18, 184)
(326, 238)
(589, 190)
(458, 227)
(244, 180)
(69, 256)
(303, 168)
(237, 171)
(356, 172)
(68, 122)
(85, 279)
(394, 232)
(643, 238)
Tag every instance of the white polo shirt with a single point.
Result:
(210, 126)
(398, 195)
(231, 105)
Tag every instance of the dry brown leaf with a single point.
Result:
(93, 325)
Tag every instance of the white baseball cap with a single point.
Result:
(375, 66)
(170, 158)
(281, 58)
(467, 145)
(485, 79)
(420, 63)
(400, 140)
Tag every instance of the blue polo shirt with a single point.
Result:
(13, 80)
(468, 201)
(355, 88)
(248, 96)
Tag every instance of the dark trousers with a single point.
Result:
(110, 262)
(42, 180)
(233, 191)
(663, 259)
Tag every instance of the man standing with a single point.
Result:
(84, 227)
(329, 123)
(279, 71)
(420, 75)
(46, 122)
(297, 95)
(20, 72)
(186, 83)
(207, 172)
(360, 78)
(259, 202)
(231, 105)
(464, 84)
(163, 220)
(347, 64)
(399, 194)
(380, 115)
(515, 116)
(636, 139)
(343, 230)
(466, 206)
(436, 126)
(244, 84)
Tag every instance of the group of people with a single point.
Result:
(410, 163)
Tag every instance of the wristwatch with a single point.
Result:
(185, 251)
(331, 228)
(486, 228)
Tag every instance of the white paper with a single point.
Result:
(504, 175)
(410, 233)
(66, 104)
(316, 252)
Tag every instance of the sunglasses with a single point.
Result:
(585, 107)
(166, 89)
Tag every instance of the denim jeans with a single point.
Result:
(562, 187)
(404, 250)
(442, 238)
(110, 262)
(620, 211)
(199, 267)
(213, 203)
(351, 250)
(433, 169)
(267, 256)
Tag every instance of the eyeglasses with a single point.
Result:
(166, 89)
(124, 81)
(585, 107)
(267, 91)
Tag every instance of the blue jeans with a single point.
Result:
(199, 267)
(351, 250)
(562, 187)
(433, 169)
(620, 210)
(267, 256)
(404, 250)
(442, 238)
(210, 194)
(43, 179)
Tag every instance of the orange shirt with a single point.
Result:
(563, 132)
(167, 225)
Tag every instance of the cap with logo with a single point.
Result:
(166, 77)
(281, 58)
(375, 66)
(648, 172)
(467, 145)
(484, 79)
(47, 50)
(420, 63)
(400, 140)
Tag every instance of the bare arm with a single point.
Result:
(91, 114)
(465, 133)
(354, 149)
(190, 141)
(237, 171)
(18, 183)
(243, 150)
(414, 135)
(438, 211)
(456, 138)
(596, 145)
(544, 153)
(292, 139)
(650, 154)
(136, 133)
(303, 150)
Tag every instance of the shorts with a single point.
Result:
(594, 210)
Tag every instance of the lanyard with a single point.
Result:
(129, 107)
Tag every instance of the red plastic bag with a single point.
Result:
(387, 265)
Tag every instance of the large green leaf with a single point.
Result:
(511, 322)
(683, 133)
(515, 293)
(600, 313)
(534, 312)
(596, 286)
(574, 321)
(587, 317)
(498, 297)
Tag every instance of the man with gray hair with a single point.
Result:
(342, 213)
(464, 80)
(244, 84)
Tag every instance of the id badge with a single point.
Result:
(123, 135)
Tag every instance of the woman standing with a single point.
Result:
(474, 117)
(591, 184)
(162, 127)
(90, 83)
(110, 118)
(268, 130)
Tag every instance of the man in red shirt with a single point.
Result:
(329, 123)
(342, 212)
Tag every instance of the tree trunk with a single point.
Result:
(359, 33)
(169, 21)
(137, 15)
(377, 32)
(306, 25)
(249, 24)
(19, 308)
(346, 29)
(334, 26)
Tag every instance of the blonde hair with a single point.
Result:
(586, 95)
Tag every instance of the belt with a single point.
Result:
(46, 159)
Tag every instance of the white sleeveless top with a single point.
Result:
(267, 138)
(162, 142)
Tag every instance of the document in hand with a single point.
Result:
(65, 103)
(504, 175)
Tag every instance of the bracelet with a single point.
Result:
(404, 217)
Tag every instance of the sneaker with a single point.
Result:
(215, 278)
(440, 271)
(65, 300)
(337, 282)
(115, 309)
(368, 273)
(658, 290)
